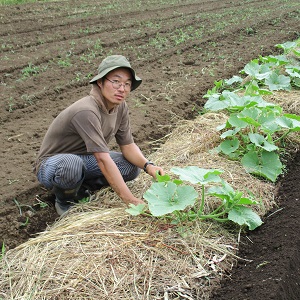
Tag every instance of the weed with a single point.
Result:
(28, 99)
(30, 70)
(24, 224)
(84, 200)
(11, 181)
(11, 104)
(137, 102)
(2, 251)
(66, 62)
(41, 203)
(22, 205)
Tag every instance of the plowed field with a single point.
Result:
(50, 50)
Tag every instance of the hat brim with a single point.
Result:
(135, 82)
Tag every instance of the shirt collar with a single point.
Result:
(97, 95)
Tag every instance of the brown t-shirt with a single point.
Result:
(86, 127)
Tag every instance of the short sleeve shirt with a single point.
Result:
(86, 127)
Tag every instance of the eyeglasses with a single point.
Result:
(116, 84)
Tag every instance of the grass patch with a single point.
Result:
(12, 2)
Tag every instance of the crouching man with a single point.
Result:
(75, 157)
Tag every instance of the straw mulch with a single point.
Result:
(98, 251)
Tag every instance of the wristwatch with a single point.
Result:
(146, 164)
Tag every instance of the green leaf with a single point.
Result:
(289, 121)
(235, 121)
(135, 210)
(250, 115)
(292, 116)
(252, 68)
(214, 103)
(268, 121)
(225, 192)
(265, 164)
(229, 145)
(164, 198)
(197, 175)
(296, 82)
(293, 71)
(162, 178)
(234, 79)
(252, 89)
(287, 45)
(245, 216)
(229, 133)
(260, 141)
(278, 82)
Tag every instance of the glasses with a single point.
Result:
(116, 84)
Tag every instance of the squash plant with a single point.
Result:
(255, 130)
(180, 202)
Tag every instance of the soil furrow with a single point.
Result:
(204, 44)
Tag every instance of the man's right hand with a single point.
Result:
(136, 201)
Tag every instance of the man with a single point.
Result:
(75, 155)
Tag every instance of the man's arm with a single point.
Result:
(134, 155)
(115, 179)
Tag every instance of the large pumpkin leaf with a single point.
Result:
(265, 164)
(196, 175)
(164, 198)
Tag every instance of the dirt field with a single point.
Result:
(179, 48)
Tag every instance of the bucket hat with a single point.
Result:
(113, 62)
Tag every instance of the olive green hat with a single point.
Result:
(113, 62)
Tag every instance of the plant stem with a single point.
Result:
(202, 200)
(214, 218)
(282, 137)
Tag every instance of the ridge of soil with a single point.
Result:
(50, 50)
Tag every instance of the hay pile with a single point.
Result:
(97, 251)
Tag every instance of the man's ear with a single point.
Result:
(100, 83)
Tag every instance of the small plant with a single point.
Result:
(2, 251)
(24, 224)
(66, 62)
(22, 205)
(11, 104)
(84, 200)
(41, 203)
(181, 202)
(30, 70)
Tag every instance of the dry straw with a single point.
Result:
(98, 251)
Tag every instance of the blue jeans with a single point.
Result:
(68, 170)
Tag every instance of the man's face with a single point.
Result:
(116, 86)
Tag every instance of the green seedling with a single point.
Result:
(64, 62)
(22, 205)
(84, 200)
(24, 224)
(180, 202)
(30, 70)
(3, 250)
(41, 203)
(11, 104)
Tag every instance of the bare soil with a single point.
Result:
(270, 265)
(50, 50)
